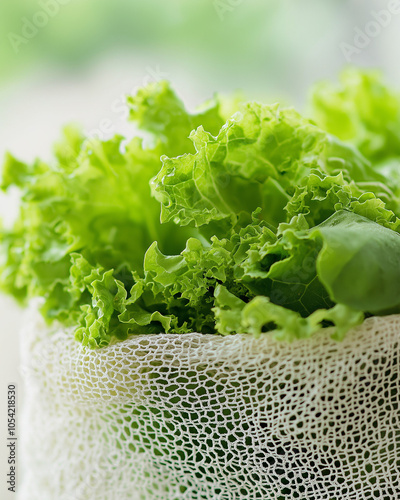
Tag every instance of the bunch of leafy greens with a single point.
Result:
(269, 223)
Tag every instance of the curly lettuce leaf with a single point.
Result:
(351, 262)
(93, 201)
(269, 223)
(157, 110)
(254, 282)
(347, 259)
(261, 315)
(322, 195)
(257, 160)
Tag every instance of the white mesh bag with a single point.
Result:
(206, 417)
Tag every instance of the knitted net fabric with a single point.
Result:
(206, 417)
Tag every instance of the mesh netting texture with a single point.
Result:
(206, 417)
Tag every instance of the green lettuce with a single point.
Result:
(237, 218)
(361, 109)
(258, 160)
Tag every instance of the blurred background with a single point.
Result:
(67, 61)
(74, 60)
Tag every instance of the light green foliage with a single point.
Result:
(361, 110)
(268, 222)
